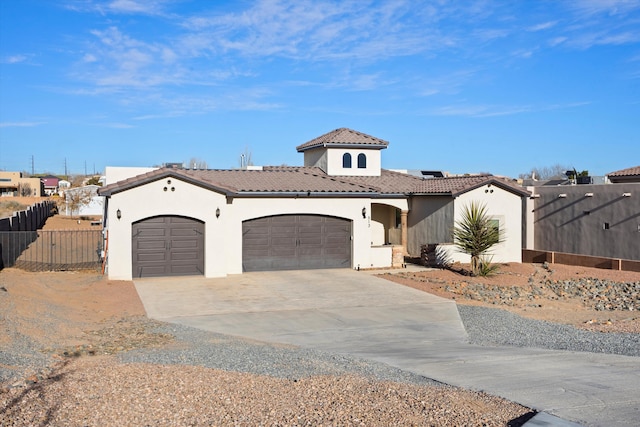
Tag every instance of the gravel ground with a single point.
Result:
(492, 326)
(131, 370)
(201, 378)
(224, 352)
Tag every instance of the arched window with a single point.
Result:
(346, 161)
(362, 161)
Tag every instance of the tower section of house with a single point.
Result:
(344, 152)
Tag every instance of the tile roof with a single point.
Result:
(626, 172)
(388, 182)
(287, 180)
(238, 182)
(461, 184)
(344, 137)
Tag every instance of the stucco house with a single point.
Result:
(339, 210)
(625, 175)
(83, 201)
(14, 184)
(50, 184)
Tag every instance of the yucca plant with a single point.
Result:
(475, 234)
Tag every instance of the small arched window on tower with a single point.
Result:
(346, 161)
(362, 161)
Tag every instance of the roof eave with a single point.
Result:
(300, 149)
(296, 194)
(169, 173)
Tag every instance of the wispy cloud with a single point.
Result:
(542, 26)
(610, 7)
(15, 59)
(21, 124)
(143, 7)
(497, 110)
(341, 43)
(316, 30)
(118, 125)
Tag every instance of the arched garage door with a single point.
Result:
(290, 242)
(167, 246)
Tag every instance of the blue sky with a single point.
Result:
(461, 86)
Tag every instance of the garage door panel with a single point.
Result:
(167, 246)
(184, 256)
(150, 244)
(285, 251)
(150, 232)
(310, 239)
(295, 242)
(277, 241)
(152, 270)
(184, 232)
(184, 244)
(153, 256)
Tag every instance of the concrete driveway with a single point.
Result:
(351, 312)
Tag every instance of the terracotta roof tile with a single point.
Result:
(343, 137)
(237, 182)
(461, 184)
(279, 180)
(626, 172)
(388, 182)
(287, 179)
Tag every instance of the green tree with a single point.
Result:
(94, 180)
(475, 234)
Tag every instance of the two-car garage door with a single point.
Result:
(291, 242)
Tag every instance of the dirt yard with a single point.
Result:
(83, 319)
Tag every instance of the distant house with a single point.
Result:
(339, 210)
(51, 184)
(91, 204)
(63, 184)
(14, 184)
(625, 175)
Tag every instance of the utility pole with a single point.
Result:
(32, 166)
(85, 168)
(66, 175)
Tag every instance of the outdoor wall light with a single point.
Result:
(217, 212)
(562, 196)
(588, 194)
(364, 212)
(118, 214)
(626, 194)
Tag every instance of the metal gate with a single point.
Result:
(51, 250)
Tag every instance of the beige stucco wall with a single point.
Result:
(151, 200)
(334, 162)
(330, 161)
(504, 206)
(223, 235)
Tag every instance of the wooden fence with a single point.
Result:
(551, 257)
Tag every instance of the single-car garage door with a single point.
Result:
(290, 242)
(168, 246)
